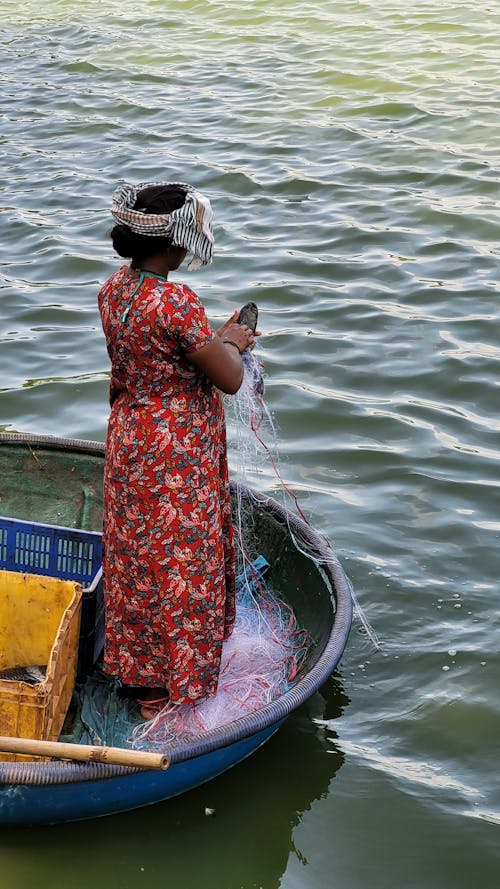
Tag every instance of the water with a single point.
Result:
(352, 154)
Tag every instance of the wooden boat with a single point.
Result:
(58, 481)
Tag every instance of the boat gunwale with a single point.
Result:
(32, 772)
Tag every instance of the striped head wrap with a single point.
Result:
(189, 227)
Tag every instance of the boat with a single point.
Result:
(58, 481)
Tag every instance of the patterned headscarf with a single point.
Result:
(190, 226)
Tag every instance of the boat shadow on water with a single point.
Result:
(246, 840)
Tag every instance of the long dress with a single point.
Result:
(169, 564)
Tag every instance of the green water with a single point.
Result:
(352, 154)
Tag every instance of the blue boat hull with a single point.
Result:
(32, 804)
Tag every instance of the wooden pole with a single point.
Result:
(83, 753)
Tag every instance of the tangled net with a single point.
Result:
(259, 662)
(257, 453)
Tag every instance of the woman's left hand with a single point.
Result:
(222, 331)
(233, 319)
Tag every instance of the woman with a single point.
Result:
(169, 567)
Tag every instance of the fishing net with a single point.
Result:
(255, 454)
(259, 662)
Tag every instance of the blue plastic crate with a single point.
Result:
(66, 553)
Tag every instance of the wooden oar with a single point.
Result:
(111, 755)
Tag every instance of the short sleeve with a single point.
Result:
(188, 323)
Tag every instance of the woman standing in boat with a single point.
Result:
(169, 565)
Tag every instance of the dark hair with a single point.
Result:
(160, 198)
(153, 199)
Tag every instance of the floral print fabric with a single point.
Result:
(169, 569)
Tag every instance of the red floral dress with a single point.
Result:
(169, 566)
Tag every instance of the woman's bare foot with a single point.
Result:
(152, 701)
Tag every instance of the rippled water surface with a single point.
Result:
(351, 151)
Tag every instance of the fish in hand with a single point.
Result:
(249, 314)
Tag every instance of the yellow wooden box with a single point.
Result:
(39, 625)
